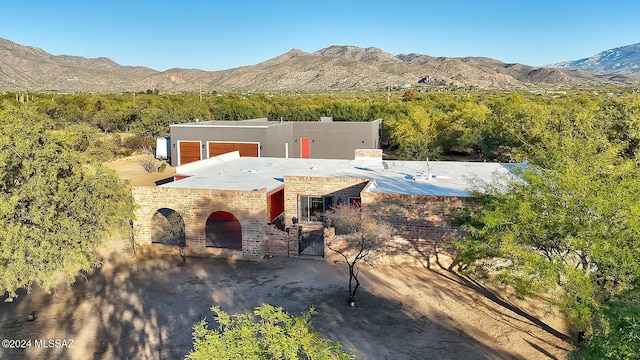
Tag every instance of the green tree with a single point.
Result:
(57, 204)
(268, 333)
(572, 228)
(619, 335)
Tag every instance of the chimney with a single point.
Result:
(368, 154)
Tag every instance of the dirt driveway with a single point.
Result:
(146, 308)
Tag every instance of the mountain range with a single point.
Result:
(25, 68)
(621, 60)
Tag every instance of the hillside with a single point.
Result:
(621, 60)
(333, 68)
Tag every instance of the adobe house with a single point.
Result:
(229, 206)
(325, 139)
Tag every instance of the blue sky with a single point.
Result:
(217, 35)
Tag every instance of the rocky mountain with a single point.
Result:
(333, 68)
(621, 60)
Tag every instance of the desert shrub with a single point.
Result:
(267, 333)
(148, 162)
(138, 142)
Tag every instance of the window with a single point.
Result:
(311, 208)
(355, 202)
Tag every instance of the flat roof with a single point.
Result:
(259, 123)
(447, 178)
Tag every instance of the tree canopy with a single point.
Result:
(267, 333)
(57, 203)
(571, 227)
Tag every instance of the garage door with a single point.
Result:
(189, 152)
(245, 149)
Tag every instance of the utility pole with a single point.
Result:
(388, 94)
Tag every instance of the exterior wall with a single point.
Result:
(195, 206)
(335, 140)
(328, 140)
(267, 135)
(339, 188)
(422, 224)
(276, 242)
(277, 137)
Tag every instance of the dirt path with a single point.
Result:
(146, 308)
(129, 168)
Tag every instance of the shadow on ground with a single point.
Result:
(146, 308)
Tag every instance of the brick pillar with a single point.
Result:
(293, 240)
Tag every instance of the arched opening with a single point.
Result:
(167, 228)
(223, 231)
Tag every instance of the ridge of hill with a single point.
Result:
(25, 68)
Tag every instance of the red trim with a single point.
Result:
(275, 203)
(223, 215)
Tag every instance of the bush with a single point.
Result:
(617, 338)
(148, 162)
(267, 333)
(138, 142)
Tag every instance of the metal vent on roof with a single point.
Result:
(424, 176)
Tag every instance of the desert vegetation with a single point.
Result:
(571, 228)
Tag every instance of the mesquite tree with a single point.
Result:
(358, 238)
(571, 228)
(57, 204)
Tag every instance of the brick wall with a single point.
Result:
(422, 225)
(339, 188)
(276, 241)
(195, 206)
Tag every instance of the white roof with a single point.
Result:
(448, 178)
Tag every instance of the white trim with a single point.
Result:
(275, 190)
(231, 142)
(178, 148)
(225, 126)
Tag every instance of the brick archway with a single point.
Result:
(223, 230)
(195, 206)
(167, 227)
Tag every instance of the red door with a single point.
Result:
(304, 148)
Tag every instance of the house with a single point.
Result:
(229, 205)
(324, 139)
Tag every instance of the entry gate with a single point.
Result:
(311, 243)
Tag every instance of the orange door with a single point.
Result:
(304, 148)
(245, 149)
(189, 152)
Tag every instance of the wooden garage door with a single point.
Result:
(189, 152)
(245, 149)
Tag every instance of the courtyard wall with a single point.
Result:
(195, 206)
